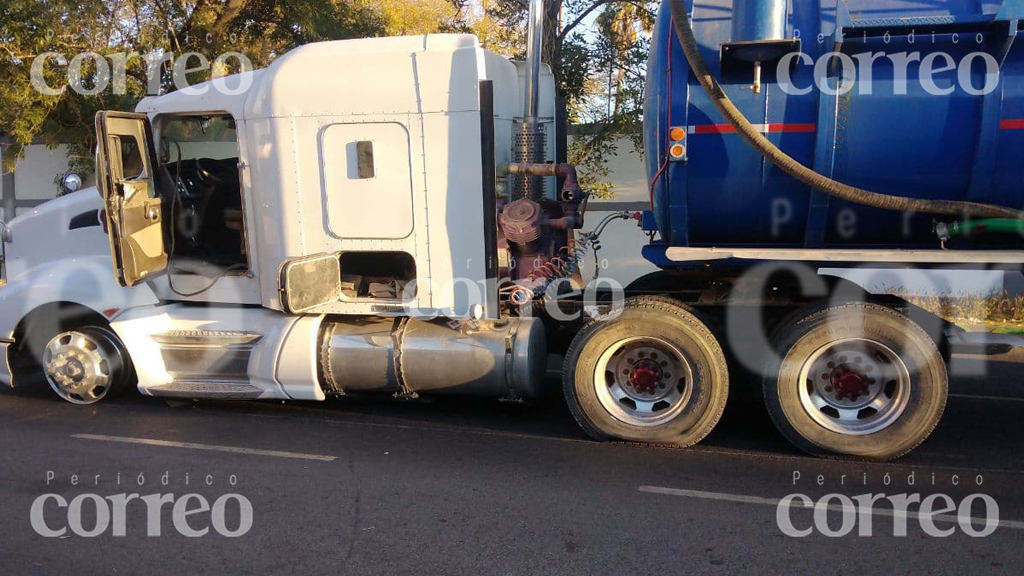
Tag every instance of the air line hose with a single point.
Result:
(800, 172)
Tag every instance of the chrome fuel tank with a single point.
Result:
(500, 358)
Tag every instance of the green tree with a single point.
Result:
(29, 28)
(410, 17)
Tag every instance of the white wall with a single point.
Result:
(36, 173)
(627, 172)
(36, 177)
(622, 240)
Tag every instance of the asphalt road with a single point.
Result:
(476, 487)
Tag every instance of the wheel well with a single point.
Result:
(47, 321)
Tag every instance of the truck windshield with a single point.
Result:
(191, 137)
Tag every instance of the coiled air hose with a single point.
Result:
(800, 172)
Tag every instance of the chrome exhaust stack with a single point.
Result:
(529, 142)
(534, 53)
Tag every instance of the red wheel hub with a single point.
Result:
(849, 384)
(645, 377)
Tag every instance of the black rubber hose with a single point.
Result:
(797, 170)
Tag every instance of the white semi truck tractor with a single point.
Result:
(388, 216)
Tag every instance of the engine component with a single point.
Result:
(521, 221)
(562, 265)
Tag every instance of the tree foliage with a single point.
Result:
(407, 17)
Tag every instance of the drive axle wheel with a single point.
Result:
(858, 379)
(85, 365)
(653, 374)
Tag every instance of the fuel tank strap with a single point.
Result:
(326, 362)
(510, 346)
(398, 340)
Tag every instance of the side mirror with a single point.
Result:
(70, 183)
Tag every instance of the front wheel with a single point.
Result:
(858, 380)
(653, 374)
(85, 365)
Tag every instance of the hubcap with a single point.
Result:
(643, 381)
(78, 366)
(854, 386)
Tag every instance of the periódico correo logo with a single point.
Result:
(193, 515)
(937, 514)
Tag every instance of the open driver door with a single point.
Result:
(126, 176)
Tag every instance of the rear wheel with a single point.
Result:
(85, 365)
(857, 379)
(655, 374)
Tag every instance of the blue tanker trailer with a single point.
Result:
(833, 94)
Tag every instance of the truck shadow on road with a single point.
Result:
(980, 430)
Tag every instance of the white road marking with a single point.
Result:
(210, 447)
(995, 398)
(744, 499)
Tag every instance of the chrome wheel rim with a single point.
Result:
(643, 381)
(79, 366)
(855, 386)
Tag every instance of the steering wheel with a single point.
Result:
(193, 184)
(208, 175)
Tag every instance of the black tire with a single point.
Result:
(124, 368)
(702, 394)
(910, 403)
